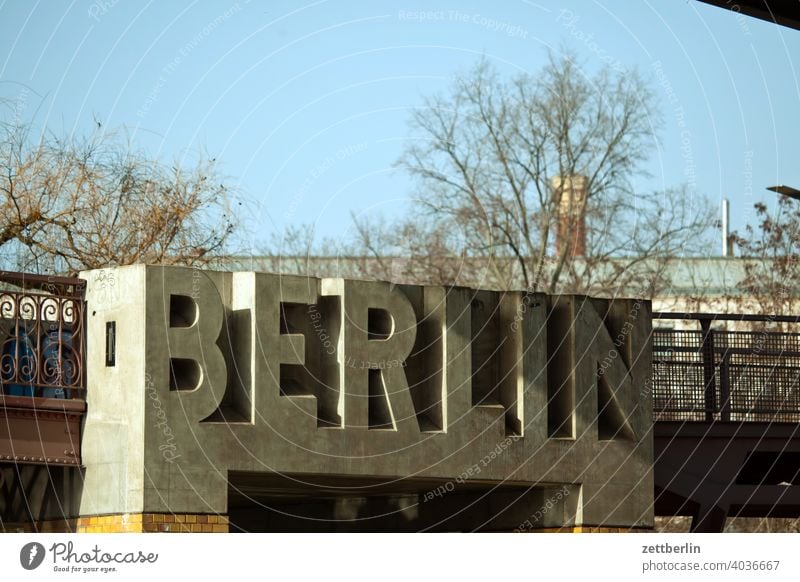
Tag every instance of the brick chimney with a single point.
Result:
(570, 222)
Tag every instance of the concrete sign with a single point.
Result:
(218, 374)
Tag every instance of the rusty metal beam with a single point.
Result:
(40, 430)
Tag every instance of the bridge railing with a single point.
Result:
(726, 367)
(42, 337)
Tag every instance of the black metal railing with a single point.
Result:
(42, 336)
(703, 371)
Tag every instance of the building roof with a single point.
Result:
(694, 276)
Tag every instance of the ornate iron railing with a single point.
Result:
(42, 336)
(704, 373)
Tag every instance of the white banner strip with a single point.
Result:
(372, 557)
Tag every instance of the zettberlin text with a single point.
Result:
(671, 549)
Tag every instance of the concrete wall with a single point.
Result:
(263, 375)
(113, 433)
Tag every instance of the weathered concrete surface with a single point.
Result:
(114, 430)
(305, 377)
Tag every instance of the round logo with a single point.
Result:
(31, 555)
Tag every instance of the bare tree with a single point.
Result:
(296, 251)
(75, 204)
(770, 254)
(493, 160)
(411, 251)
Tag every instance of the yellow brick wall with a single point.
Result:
(194, 523)
(153, 523)
(589, 529)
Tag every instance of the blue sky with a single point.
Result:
(307, 104)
